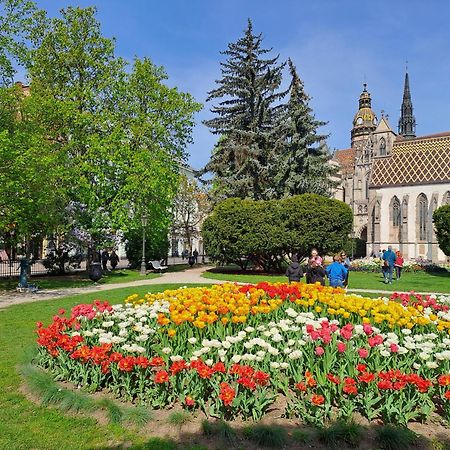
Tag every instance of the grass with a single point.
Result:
(220, 430)
(57, 424)
(341, 433)
(179, 418)
(27, 425)
(393, 438)
(78, 279)
(418, 282)
(266, 435)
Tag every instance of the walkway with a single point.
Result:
(186, 277)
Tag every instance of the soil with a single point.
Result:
(432, 436)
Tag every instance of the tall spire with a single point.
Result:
(407, 122)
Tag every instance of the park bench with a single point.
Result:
(156, 265)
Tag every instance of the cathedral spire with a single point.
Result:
(407, 122)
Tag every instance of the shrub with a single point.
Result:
(264, 232)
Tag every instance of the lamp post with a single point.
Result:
(143, 264)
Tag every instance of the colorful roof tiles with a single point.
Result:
(346, 159)
(422, 160)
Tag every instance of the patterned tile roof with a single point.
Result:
(345, 159)
(421, 160)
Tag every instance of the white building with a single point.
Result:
(394, 182)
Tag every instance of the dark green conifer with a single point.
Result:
(248, 93)
(300, 158)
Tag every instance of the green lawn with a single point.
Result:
(419, 281)
(79, 279)
(25, 425)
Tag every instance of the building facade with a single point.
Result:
(394, 181)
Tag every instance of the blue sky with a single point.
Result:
(336, 46)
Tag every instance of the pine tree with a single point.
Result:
(300, 160)
(244, 118)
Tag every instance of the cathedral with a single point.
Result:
(394, 181)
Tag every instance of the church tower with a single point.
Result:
(407, 121)
(364, 122)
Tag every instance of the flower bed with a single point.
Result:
(376, 264)
(231, 350)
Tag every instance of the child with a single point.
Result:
(315, 256)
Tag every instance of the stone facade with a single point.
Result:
(393, 183)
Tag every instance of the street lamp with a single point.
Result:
(143, 264)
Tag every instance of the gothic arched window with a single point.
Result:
(382, 147)
(396, 214)
(423, 216)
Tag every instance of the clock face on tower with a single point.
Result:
(359, 121)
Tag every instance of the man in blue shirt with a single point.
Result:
(389, 261)
(336, 273)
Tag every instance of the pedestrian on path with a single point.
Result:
(399, 261)
(389, 261)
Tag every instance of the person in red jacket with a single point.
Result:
(398, 264)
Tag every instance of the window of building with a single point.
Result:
(423, 217)
(382, 147)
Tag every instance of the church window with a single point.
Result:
(423, 216)
(366, 187)
(382, 147)
(396, 215)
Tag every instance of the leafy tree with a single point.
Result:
(190, 207)
(156, 245)
(264, 232)
(441, 220)
(123, 131)
(31, 198)
(300, 160)
(244, 118)
(19, 20)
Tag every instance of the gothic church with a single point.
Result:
(394, 181)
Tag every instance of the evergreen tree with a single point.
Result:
(244, 118)
(300, 160)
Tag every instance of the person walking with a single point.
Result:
(336, 272)
(195, 255)
(104, 258)
(399, 261)
(389, 261)
(294, 272)
(114, 259)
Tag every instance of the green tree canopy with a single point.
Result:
(113, 134)
(244, 118)
(264, 232)
(441, 220)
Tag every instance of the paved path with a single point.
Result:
(186, 277)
